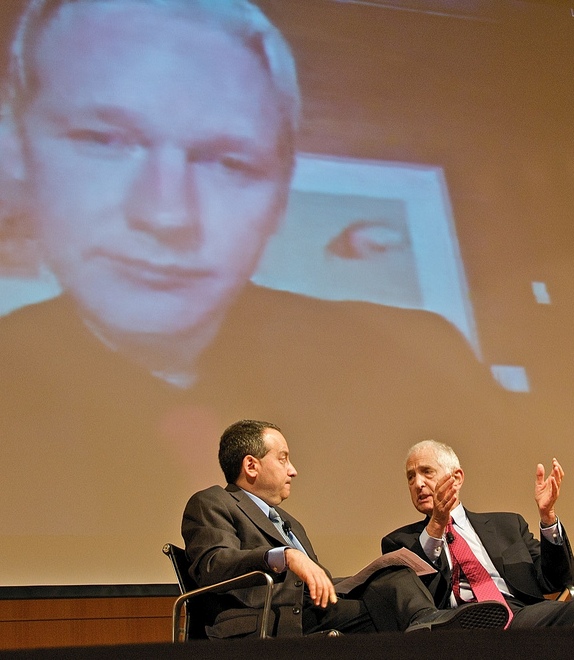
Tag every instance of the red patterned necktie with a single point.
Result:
(465, 561)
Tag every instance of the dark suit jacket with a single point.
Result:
(226, 534)
(530, 568)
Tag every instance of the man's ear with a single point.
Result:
(250, 466)
(458, 475)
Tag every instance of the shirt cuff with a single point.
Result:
(553, 533)
(275, 559)
(432, 547)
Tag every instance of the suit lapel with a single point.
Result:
(485, 527)
(254, 513)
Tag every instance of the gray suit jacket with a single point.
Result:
(530, 568)
(226, 534)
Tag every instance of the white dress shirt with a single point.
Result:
(433, 548)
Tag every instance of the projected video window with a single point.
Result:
(374, 231)
(164, 272)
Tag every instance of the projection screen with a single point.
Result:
(178, 251)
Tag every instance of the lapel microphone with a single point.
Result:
(287, 527)
(449, 537)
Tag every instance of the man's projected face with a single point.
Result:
(151, 151)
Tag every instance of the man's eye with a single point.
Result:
(110, 139)
(240, 165)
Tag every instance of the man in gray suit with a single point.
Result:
(238, 529)
(522, 568)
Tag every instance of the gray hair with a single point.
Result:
(239, 18)
(444, 454)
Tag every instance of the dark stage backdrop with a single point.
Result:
(433, 188)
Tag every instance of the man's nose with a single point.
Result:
(162, 200)
(420, 481)
(292, 470)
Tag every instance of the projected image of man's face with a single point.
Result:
(152, 218)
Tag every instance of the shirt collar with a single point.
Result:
(260, 503)
(459, 516)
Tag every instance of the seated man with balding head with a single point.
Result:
(486, 555)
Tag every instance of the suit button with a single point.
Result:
(298, 583)
(296, 610)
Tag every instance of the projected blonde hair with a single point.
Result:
(239, 18)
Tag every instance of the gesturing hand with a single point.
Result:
(546, 491)
(444, 500)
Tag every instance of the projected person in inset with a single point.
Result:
(156, 142)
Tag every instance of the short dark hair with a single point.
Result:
(241, 439)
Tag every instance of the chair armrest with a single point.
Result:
(246, 580)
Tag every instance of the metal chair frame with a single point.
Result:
(180, 633)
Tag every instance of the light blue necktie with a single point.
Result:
(289, 537)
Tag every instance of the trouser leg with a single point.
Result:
(388, 601)
(546, 613)
(346, 615)
(393, 597)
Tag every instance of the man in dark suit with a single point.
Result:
(234, 530)
(522, 569)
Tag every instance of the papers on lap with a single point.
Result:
(401, 557)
